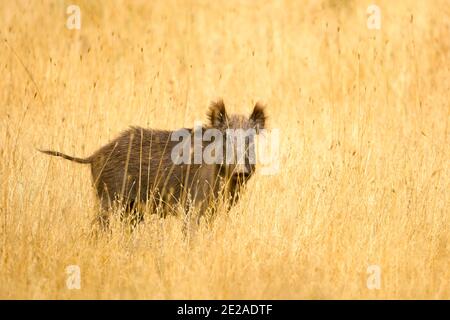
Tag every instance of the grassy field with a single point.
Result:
(364, 173)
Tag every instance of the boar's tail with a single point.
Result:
(65, 156)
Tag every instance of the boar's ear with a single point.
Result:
(217, 115)
(258, 117)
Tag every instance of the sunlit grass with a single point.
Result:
(364, 164)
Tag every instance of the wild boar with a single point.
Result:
(147, 166)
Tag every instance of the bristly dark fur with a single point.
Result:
(258, 116)
(217, 115)
(137, 167)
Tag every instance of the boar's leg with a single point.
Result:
(102, 218)
(133, 213)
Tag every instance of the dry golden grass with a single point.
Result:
(364, 119)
